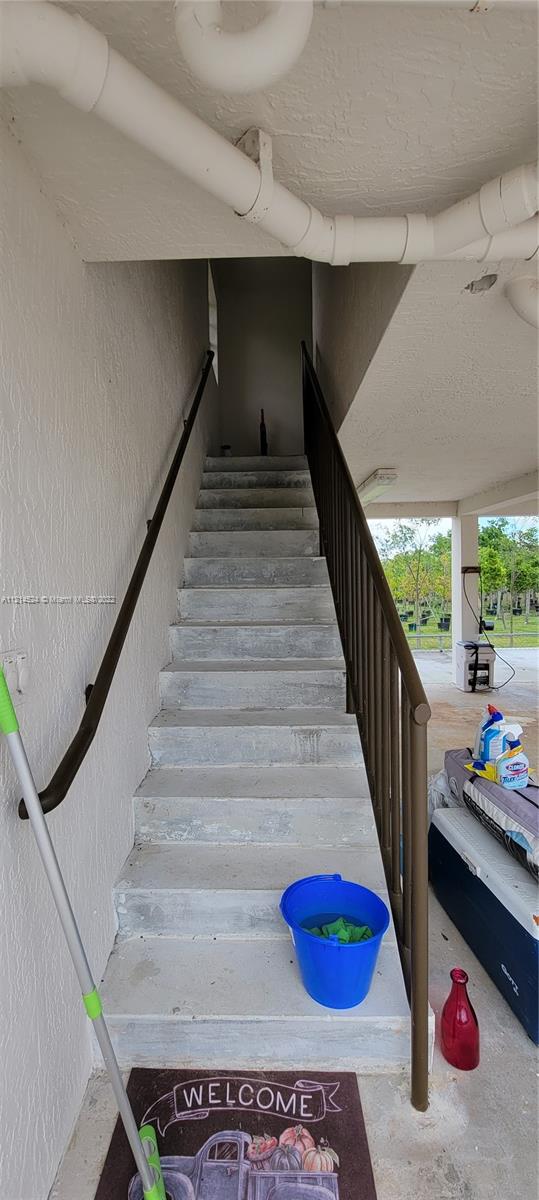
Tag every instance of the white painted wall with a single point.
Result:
(97, 364)
(263, 312)
(352, 308)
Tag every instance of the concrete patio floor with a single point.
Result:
(477, 1141)
(456, 714)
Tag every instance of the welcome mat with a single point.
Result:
(248, 1135)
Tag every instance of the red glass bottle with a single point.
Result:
(460, 1027)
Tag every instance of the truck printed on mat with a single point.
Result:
(227, 1168)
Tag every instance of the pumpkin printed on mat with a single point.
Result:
(299, 1137)
(286, 1158)
(321, 1158)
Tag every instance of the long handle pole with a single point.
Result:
(153, 1188)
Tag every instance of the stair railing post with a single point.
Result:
(420, 918)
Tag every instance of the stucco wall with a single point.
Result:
(97, 364)
(352, 307)
(263, 312)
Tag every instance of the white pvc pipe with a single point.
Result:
(522, 242)
(242, 62)
(45, 44)
(499, 205)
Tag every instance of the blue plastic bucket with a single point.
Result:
(335, 975)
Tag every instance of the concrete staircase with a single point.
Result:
(257, 779)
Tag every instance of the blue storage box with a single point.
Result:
(494, 903)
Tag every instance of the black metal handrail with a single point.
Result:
(386, 694)
(97, 693)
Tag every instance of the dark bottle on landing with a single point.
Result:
(263, 435)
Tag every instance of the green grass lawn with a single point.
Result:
(499, 636)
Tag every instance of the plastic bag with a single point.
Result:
(440, 794)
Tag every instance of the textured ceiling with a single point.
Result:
(390, 108)
(450, 397)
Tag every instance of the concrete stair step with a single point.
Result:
(209, 891)
(257, 779)
(207, 519)
(256, 497)
(304, 683)
(255, 479)
(261, 822)
(240, 1003)
(258, 462)
(274, 543)
(299, 783)
(238, 642)
(235, 572)
(213, 737)
(261, 604)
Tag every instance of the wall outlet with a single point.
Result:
(15, 665)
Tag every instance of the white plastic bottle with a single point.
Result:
(489, 727)
(512, 767)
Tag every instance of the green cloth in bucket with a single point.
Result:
(345, 931)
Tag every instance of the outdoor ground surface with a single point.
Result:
(478, 1140)
(456, 714)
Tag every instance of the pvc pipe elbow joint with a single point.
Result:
(500, 205)
(522, 293)
(242, 62)
(510, 199)
(46, 45)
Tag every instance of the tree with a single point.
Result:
(396, 574)
(496, 534)
(417, 561)
(526, 566)
(518, 548)
(439, 557)
(404, 552)
(493, 572)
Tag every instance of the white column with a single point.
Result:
(464, 553)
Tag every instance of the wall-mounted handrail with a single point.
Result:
(76, 752)
(386, 694)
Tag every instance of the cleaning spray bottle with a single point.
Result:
(494, 735)
(488, 730)
(512, 767)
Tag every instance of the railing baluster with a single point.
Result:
(395, 750)
(355, 618)
(343, 555)
(321, 501)
(364, 635)
(386, 742)
(406, 818)
(339, 544)
(348, 609)
(378, 711)
(371, 690)
(333, 516)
